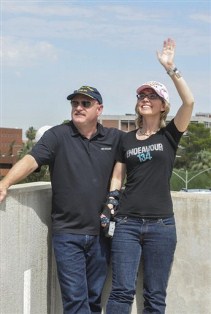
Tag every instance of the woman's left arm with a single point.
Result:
(166, 58)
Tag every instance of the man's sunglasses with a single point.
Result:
(84, 103)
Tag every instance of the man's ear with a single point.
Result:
(100, 109)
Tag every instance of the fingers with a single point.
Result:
(3, 194)
(2, 198)
(169, 44)
(104, 221)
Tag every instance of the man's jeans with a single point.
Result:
(82, 262)
(155, 240)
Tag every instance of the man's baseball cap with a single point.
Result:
(159, 88)
(89, 91)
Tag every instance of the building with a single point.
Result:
(122, 122)
(127, 122)
(10, 145)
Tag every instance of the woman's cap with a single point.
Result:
(159, 88)
(89, 91)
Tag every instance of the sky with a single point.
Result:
(50, 48)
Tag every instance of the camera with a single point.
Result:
(111, 229)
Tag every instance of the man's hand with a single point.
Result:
(18, 172)
(3, 192)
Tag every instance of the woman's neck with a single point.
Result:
(150, 126)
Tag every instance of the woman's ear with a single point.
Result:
(163, 106)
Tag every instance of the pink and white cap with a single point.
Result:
(159, 88)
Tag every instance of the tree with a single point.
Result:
(193, 160)
(31, 133)
(196, 139)
(65, 121)
(42, 174)
(27, 146)
(201, 161)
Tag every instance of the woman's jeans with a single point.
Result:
(82, 263)
(154, 240)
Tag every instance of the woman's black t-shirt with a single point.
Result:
(149, 165)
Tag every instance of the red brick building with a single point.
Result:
(10, 144)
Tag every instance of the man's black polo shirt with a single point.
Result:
(80, 174)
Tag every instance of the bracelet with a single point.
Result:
(175, 72)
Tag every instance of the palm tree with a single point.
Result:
(31, 133)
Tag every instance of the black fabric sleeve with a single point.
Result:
(173, 134)
(120, 151)
(44, 149)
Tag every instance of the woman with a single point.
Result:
(145, 224)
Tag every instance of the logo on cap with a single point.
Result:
(88, 91)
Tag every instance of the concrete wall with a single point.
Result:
(25, 250)
(28, 282)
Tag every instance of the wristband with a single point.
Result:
(114, 194)
(112, 201)
(175, 72)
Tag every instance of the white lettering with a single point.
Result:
(144, 149)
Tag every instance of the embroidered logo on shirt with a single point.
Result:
(105, 148)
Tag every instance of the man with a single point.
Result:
(80, 155)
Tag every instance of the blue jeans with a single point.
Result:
(82, 263)
(154, 240)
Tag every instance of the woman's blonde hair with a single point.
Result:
(163, 115)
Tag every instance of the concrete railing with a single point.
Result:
(28, 281)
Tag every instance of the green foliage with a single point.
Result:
(27, 146)
(41, 174)
(190, 179)
(202, 161)
(31, 133)
(65, 121)
(193, 159)
(194, 141)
